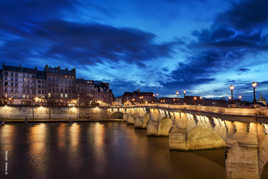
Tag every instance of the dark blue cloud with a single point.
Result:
(244, 69)
(86, 44)
(246, 15)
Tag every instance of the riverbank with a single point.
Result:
(53, 114)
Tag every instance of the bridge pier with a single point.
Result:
(152, 128)
(142, 121)
(178, 139)
(242, 162)
(164, 127)
(130, 119)
(125, 116)
(138, 123)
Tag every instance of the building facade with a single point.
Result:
(167, 100)
(18, 84)
(138, 97)
(60, 85)
(51, 86)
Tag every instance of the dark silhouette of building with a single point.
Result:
(138, 97)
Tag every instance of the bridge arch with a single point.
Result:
(142, 121)
(165, 125)
(200, 138)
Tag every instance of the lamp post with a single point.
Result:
(240, 99)
(254, 85)
(195, 99)
(184, 93)
(232, 92)
(49, 105)
(177, 93)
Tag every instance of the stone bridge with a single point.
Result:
(241, 131)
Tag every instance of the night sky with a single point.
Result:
(202, 46)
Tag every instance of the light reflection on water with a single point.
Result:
(100, 150)
(7, 135)
(38, 151)
(61, 135)
(74, 147)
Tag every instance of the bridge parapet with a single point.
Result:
(236, 111)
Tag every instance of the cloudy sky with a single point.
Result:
(202, 46)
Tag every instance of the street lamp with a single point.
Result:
(184, 92)
(177, 93)
(254, 85)
(232, 92)
(240, 98)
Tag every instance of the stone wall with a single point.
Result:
(57, 113)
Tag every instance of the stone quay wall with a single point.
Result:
(19, 113)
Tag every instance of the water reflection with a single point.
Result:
(74, 148)
(7, 137)
(99, 148)
(114, 150)
(38, 152)
(61, 134)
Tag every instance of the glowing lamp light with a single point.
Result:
(177, 93)
(40, 108)
(73, 109)
(240, 97)
(232, 87)
(36, 99)
(254, 84)
(6, 108)
(96, 109)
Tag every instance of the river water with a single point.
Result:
(98, 150)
